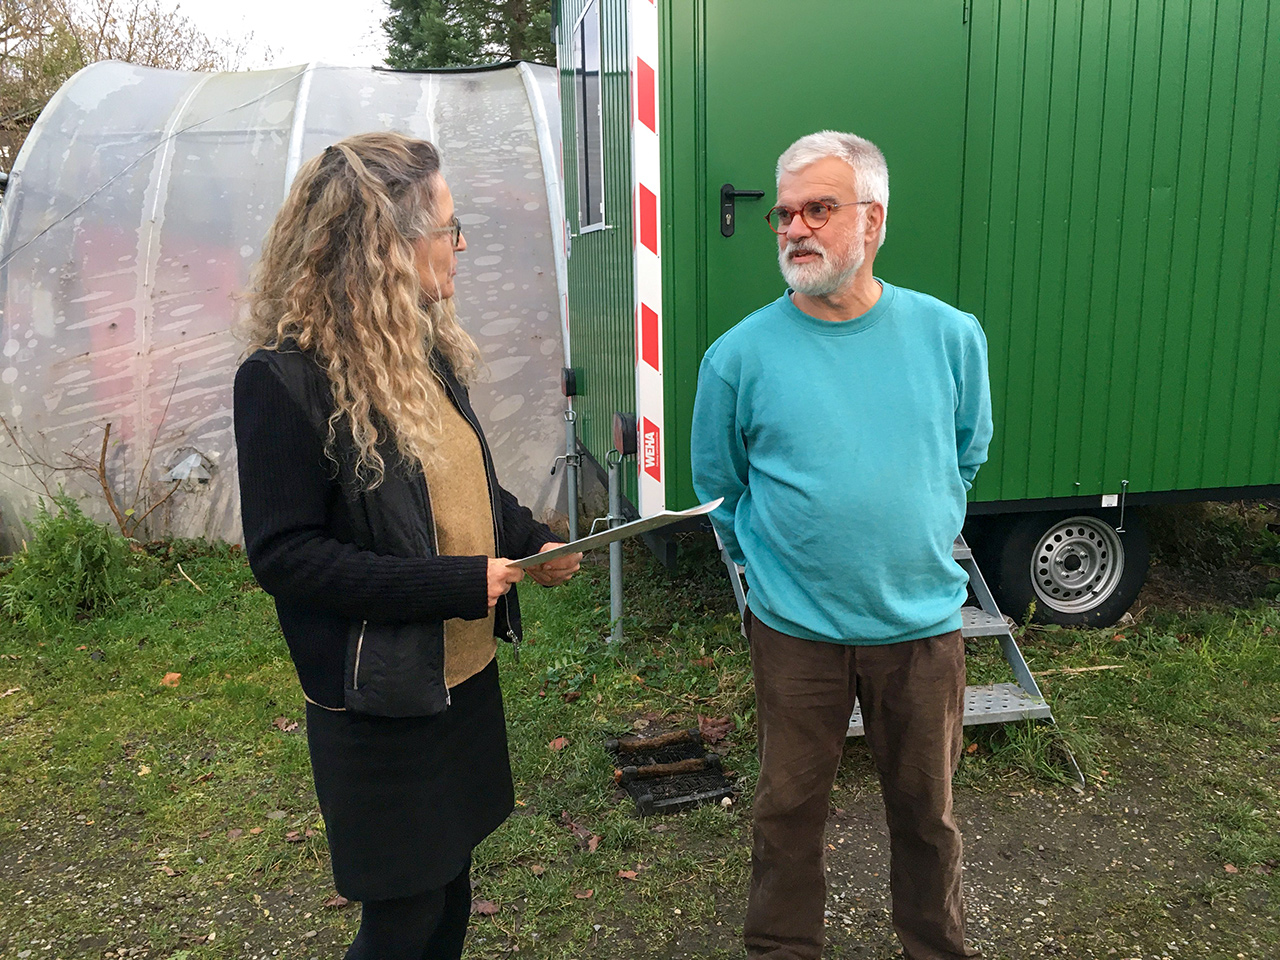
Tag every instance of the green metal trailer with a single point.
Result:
(1096, 180)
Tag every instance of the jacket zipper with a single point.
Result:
(355, 673)
(493, 506)
(435, 546)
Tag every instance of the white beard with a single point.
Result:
(826, 277)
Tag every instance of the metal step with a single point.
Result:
(989, 703)
(976, 622)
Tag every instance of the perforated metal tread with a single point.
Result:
(989, 703)
(976, 622)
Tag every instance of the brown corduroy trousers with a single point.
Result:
(912, 699)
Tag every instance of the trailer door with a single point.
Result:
(747, 78)
(891, 72)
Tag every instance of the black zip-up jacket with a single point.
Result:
(360, 589)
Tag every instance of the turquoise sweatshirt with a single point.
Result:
(843, 451)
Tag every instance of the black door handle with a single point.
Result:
(727, 197)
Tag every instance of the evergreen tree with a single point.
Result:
(459, 33)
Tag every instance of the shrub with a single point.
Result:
(71, 565)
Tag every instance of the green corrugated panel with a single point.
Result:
(741, 81)
(1097, 180)
(681, 31)
(1119, 243)
(601, 324)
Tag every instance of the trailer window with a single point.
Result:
(587, 116)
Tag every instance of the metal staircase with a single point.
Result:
(986, 703)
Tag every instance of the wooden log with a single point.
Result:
(639, 744)
(650, 770)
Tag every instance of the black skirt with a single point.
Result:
(405, 800)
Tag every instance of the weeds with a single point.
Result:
(1192, 710)
(71, 566)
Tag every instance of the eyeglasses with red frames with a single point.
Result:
(813, 214)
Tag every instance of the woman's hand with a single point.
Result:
(555, 572)
(501, 577)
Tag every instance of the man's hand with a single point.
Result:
(555, 572)
(501, 577)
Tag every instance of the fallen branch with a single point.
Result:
(1074, 670)
(691, 701)
(106, 487)
(188, 579)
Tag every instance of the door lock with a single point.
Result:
(728, 195)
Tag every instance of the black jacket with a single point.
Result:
(360, 590)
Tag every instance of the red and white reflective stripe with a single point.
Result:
(646, 169)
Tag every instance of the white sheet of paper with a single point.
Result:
(643, 525)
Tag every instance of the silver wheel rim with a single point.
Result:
(1077, 565)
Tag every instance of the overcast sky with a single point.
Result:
(347, 32)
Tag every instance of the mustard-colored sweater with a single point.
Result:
(463, 516)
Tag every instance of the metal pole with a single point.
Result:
(614, 460)
(571, 470)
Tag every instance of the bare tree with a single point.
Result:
(141, 31)
(43, 42)
(38, 51)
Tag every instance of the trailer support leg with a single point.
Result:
(571, 465)
(615, 549)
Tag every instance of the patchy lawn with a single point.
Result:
(150, 815)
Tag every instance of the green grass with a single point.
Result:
(112, 779)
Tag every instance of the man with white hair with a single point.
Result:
(842, 424)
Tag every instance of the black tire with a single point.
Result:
(1086, 573)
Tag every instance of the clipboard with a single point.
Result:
(643, 525)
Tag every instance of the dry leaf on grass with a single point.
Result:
(558, 744)
(586, 839)
(285, 724)
(584, 894)
(537, 869)
(336, 902)
(1230, 868)
(235, 834)
(485, 908)
(171, 679)
(715, 729)
(627, 875)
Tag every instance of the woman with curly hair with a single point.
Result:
(373, 516)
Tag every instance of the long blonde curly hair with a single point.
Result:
(337, 278)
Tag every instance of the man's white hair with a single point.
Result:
(871, 173)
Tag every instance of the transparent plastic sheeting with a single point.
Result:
(138, 206)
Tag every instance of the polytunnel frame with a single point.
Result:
(551, 161)
(153, 211)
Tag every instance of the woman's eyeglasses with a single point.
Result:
(454, 226)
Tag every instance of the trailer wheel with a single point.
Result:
(1076, 567)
